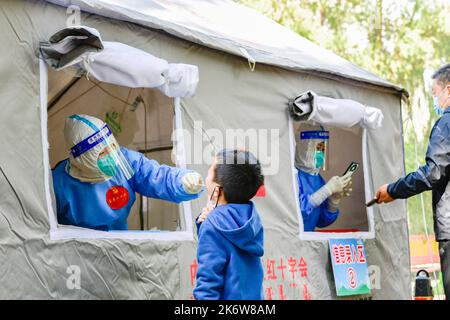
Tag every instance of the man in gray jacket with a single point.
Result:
(434, 175)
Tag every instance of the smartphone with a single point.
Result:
(352, 167)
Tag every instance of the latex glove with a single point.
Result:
(334, 200)
(337, 184)
(334, 186)
(347, 190)
(192, 182)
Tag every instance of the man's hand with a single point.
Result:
(383, 196)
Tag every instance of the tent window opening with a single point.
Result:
(334, 153)
(141, 119)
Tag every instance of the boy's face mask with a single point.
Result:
(218, 195)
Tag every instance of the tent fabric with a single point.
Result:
(117, 63)
(248, 34)
(229, 96)
(66, 46)
(328, 111)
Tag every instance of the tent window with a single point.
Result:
(355, 219)
(141, 126)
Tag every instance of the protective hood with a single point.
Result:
(85, 167)
(241, 225)
(305, 148)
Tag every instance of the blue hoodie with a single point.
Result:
(230, 247)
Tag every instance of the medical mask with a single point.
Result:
(107, 165)
(319, 158)
(311, 149)
(437, 109)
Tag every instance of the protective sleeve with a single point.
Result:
(212, 258)
(306, 205)
(306, 192)
(436, 169)
(326, 216)
(318, 197)
(157, 181)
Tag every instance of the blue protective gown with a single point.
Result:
(313, 217)
(84, 204)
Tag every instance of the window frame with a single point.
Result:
(323, 235)
(65, 232)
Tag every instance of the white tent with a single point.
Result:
(249, 68)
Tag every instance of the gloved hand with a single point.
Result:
(192, 182)
(334, 186)
(334, 200)
(337, 184)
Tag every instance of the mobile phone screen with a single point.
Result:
(352, 167)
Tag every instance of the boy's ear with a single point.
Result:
(218, 191)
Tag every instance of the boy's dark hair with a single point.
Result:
(239, 174)
(442, 74)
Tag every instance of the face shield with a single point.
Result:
(98, 156)
(311, 149)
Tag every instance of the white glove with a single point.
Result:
(334, 200)
(337, 184)
(192, 182)
(334, 186)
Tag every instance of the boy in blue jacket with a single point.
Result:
(230, 234)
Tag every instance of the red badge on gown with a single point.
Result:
(117, 197)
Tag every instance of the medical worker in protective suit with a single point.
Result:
(95, 188)
(319, 201)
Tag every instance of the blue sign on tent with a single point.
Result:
(349, 262)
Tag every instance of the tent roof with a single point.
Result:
(232, 28)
